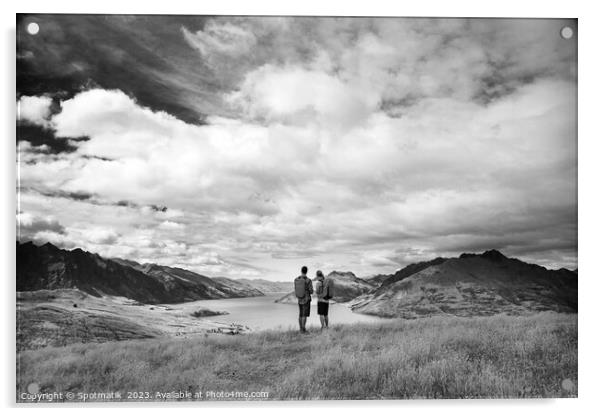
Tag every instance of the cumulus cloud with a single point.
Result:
(34, 110)
(364, 145)
(30, 225)
(296, 95)
(100, 235)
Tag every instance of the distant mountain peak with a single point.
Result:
(342, 274)
(49, 246)
(493, 255)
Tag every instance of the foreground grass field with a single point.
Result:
(494, 357)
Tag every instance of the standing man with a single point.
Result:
(303, 291)
(322, 291)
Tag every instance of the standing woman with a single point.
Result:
(323, 296)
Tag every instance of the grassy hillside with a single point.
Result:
(45, 325)
(439, 357)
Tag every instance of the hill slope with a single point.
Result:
(347, 286)
(60, 317)
(266, 286)
(410, 270)
(66, 316)
(472, 285)
(48, 267)
(197, 285)
(377, 279)
(238, 285)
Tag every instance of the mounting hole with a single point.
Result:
(33, 28)
(33, 388)
(566, 32)
(568, 385)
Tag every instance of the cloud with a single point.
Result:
(99, 235)
(357, 143)
(26, 147)
(224, 38)
(29, 225)
(424, 172)
(145, 57)
(295, 95)
(34, 110)
(58, 239)
(171, 225)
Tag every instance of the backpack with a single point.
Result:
(327, 286)
(320, 287)
(300, 287)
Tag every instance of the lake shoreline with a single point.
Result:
(68, 316)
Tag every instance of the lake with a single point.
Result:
(261, 312)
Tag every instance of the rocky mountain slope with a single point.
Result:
(377, 279)
(48, 267)
(200, 287)
(410, 270)
(238, 285)
(471, 285)
(347, 286)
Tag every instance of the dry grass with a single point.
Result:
(492, 357)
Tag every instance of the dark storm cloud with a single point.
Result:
(146, 57)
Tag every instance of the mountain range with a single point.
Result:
(469, 285)
(49, 267)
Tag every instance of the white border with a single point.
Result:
(590, 186)
(459, 8)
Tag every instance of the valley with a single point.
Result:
(67, 297)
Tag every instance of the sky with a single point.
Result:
(247, 147)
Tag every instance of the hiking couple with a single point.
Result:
(304, 289)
